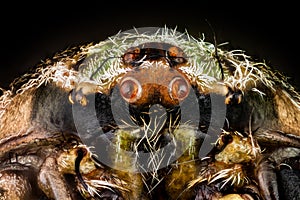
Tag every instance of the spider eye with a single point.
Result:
(178, 88)
(226, 139)
(130, 89)
(131, 55)
(176, 55)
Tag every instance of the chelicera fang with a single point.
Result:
(133, 90)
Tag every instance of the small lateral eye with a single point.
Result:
(174, 52)
(176, 55)
(178, 88)
(131, 55)
(130, 89)
(226, 139)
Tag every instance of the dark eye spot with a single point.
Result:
(226, 139)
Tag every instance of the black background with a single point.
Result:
(30, 33)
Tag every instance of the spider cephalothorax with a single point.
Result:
(150, 113)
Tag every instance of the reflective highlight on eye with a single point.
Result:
(178, 88)
(130, 89)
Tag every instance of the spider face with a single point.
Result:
(154, 78)
(148, 115)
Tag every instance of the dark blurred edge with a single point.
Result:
(34, 32)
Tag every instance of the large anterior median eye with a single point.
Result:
(130, 89)
(178, 88)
